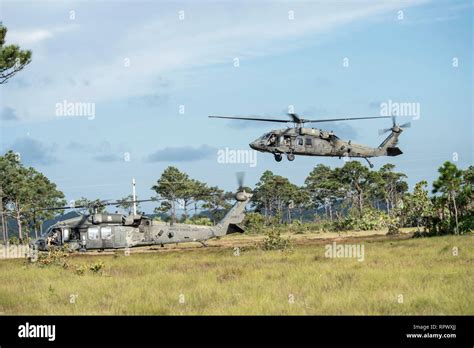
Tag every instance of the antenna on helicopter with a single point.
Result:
(134, 197)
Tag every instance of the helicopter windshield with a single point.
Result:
(47, 232)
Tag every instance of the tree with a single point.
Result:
(89, 206)
(274, 193)
(467, 192)
(392, 187)
(217, 202)
(44, 194)
(191, 192)
(172, 186)
(12, 58)
(449, 185)
(418, 206)
(356, 180)
(126, 204)
(263, 196)
(322, 185)
(299, 200)
(9, 165)
(25, 192)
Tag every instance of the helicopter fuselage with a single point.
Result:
(309, 142)
(315, 142)
(114, 231)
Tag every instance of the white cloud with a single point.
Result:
(211, 33)
(29, 37)
(23, 38)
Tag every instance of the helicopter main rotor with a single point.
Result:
(298, 121)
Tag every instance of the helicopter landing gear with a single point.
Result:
(291, 157)
(370, 164)
(278, 157)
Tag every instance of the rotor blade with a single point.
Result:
(294, 117)
(62, 208)
(136, 201)
(405, 125)
(383, 131)
(251, 119)
(240, 179)
(345, 119)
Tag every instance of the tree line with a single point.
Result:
(348, 197)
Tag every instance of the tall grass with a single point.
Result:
(215, 281)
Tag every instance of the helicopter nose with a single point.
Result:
(254, 145)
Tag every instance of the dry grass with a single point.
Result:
(214, 281)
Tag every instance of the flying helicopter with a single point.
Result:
(101, 231)
(300, 140)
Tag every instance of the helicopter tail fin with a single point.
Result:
(388, 146)
(229, 224)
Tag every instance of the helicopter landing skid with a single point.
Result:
(370, 164)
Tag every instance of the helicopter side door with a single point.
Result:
(323, 147)
(106, 235)
(299, 145)
(99, 237)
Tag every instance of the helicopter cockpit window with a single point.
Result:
(300, 141)
(93, 233)
(106, 232)
(272, 140)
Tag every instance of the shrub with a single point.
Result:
(274, 241)
(80, 270)
(199, 220)
(254, 222)
(97, 267)
(54, 257)
(14, 241)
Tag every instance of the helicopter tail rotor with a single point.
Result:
(395, 127)
(241, 195)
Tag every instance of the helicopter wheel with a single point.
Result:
(278, 157)
(291, 157)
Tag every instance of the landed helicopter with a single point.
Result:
(114, 231)
(299, 140)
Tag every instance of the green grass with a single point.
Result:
(214, 281)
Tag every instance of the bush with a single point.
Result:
(97, 267)
(466, 223)
(80, 270)
(14, 241)
(54, 257)
(371, 220)
(254, 222)
(199, 220)
(274, 241)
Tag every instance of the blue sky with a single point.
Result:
(81, 56)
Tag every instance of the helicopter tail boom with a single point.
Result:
(229, 224)
(388, 146)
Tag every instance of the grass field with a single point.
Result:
(402, 276)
